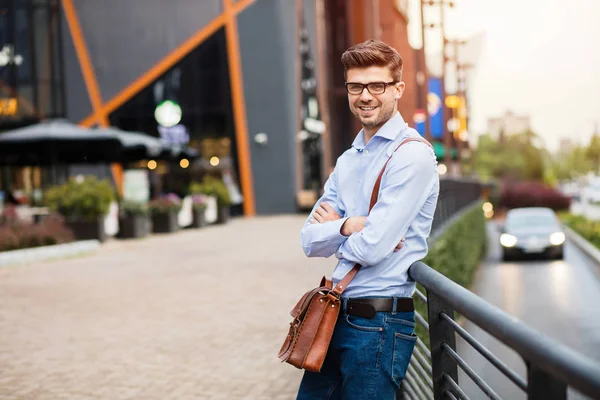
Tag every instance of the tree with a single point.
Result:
(516, 157)
(592, 152)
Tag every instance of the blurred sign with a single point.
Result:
(419, 120)
(435, 108)
(168, 113)
(136, 185)
(177, 134)
(8, 107)
(452, 101)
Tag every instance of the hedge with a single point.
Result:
(456, 254)
(587, 228)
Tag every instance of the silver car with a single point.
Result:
(532, 231)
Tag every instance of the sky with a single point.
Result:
(534, 57)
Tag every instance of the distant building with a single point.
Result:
(508, 124)
(566, 145)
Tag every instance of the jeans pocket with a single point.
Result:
(364, 324)
(404, 343)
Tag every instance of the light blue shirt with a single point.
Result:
(405, 207)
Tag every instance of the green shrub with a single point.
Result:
(87, 198)
(588, 229)
(456, 254)
(212, 186)
(134, 209)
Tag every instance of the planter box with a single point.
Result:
(223, 213)
(199, 219)
(134, 226)
(87, 230)
(165, 223)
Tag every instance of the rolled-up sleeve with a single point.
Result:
(408, 181)
(322, 240)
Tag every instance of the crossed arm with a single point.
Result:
(325, 213)
(368, 240)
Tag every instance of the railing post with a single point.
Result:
(440, 332)
(543, 386)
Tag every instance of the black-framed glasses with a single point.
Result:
(372, 87)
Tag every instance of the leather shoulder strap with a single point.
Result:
(375, 193)
(343, 284)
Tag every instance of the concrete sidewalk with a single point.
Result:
(199, 314)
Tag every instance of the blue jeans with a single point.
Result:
(367, 358)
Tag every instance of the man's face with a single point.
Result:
(373, 110)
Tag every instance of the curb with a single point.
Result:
(589, 249)
(24, 256)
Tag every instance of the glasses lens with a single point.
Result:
(354, 88)
(376, 88)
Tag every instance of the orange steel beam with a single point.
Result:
(100, 115)
(84, 61)
(239, 108)
(166, 63)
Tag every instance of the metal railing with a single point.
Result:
(455, 195)
(433, 372)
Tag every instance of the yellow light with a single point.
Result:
(184, 163)
(214, 161)
(489, 214)
(442, 169)
(152, 164)
(452, 101)
(8, 107)
(487, 207)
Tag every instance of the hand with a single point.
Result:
(353, 225)
(324, 213)
(399, 245)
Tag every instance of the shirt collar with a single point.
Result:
(390, 131)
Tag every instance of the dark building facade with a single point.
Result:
(231, 67)
(32, 85)
(256, 86)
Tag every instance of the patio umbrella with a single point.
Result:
(136, 145)
(58, 142)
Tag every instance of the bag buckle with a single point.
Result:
(333, 296)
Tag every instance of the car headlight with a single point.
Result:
(507, 240)
(557, 238)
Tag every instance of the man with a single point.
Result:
(374, 335)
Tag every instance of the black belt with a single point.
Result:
(367, 308)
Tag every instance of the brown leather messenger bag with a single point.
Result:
(315, 315)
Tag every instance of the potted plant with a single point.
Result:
(199, 204)
(164, 213)
(212, 186)
(134, 220)
(84, 203)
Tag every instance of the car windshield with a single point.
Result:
(530, 221)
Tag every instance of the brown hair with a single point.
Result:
(373, 53)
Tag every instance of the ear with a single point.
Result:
(400, 86)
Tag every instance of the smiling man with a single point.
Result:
(374, 335)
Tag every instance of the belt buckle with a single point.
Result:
(361, 309)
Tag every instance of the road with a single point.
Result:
(558, 298)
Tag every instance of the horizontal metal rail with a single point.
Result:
(554, 358)
(510, 374)
(456, 388)
(421, 296)
(423, 348)
(422, 321)
(472, 374)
